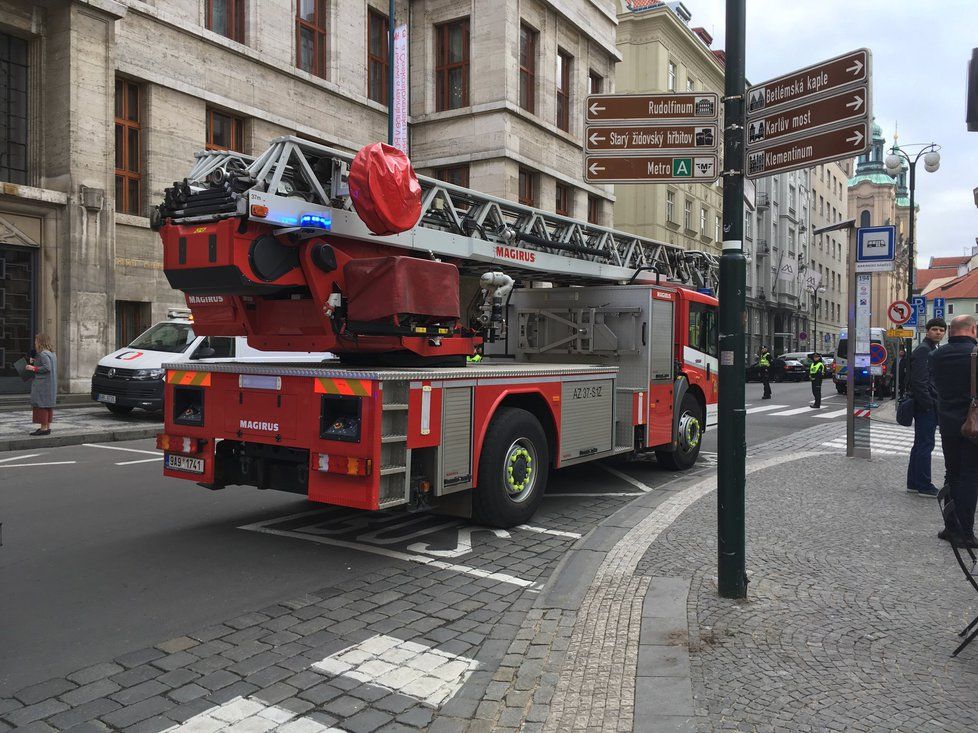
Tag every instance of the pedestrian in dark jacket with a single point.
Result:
(44, 388)
(951, 365)
(924, 395)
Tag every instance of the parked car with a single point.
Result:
(829, 365)
(795, 366)
(776, 370)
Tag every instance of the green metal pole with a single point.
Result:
(732, 439)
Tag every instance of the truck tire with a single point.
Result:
(689, 439)
(119, 409)
(513, 469)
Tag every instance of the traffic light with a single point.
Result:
(972, 117)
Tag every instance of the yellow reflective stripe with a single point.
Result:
(195, 379)
(354, 387)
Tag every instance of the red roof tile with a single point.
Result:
(642, 4)
(924, 277)
(965, 286)
(949, 261)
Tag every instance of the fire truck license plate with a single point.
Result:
(183, 463)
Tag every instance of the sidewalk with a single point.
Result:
(76, 425)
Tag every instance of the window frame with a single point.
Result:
(671, 207)
(697, 336)
(381, 60)
(443, 67)
(237, 131)
(319, 27)
(527, 187)
(563, 91)
(671, 71)
(562, 194)
(593, 210)
(446, 173)
(236, 19)
(528, 67)
(702, 221)
(128, 126)
(688, 215)
(595, 82)
(16, 64)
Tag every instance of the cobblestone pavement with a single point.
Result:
(73, 425)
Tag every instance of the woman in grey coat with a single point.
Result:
(44, 388)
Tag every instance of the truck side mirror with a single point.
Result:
(204, 352)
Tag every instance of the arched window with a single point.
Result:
(864, 219)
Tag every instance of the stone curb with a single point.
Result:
(96, 436)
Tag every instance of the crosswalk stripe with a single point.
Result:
(796, 411)
(764, 408)
(830, 415)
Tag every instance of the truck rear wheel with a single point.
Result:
(513, 469)
(689, 438)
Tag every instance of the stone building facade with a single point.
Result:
(777, 240)
(106, 102)
(828, 255)
(662, 52)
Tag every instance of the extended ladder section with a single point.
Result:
(301, 186)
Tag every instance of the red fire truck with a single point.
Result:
(597, 343)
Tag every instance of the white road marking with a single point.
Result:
(20, 458)
(395, 554)
(115, 447)
(831, 415)
(796, 411)
(765, 408)
(554, 532)
(463, 542)
(49, 463)
(141, 460)
(582, 493)
(406, 667)
(250, 714)
(644, 488)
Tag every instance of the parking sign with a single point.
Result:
(939, 308)
(919, 317)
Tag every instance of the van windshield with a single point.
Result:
(169, 337)
(843, 351)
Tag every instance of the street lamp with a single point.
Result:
(893, 162)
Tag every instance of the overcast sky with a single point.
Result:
(920, 58)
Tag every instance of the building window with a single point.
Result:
(528, 67)
(562, 206)
(227, 18)
(703, 222)
(718, 229)
(864, 218)
(792, 198)
(563, 90)
(457, 175)
(690, 85)
(13, 109)
(128, 150)
(950, 309)
(593, 210)
(452, 65)
(527, 187)
(672, 77)
(749, 226)
(131, 319)
(311, 33)
(224, 131)
(688, 215)
(671, 206)
(595, 82)
(378, 31)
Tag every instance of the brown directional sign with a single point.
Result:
(812, 81)
(649, 138)
(808, 117)
(651, 168)
(843, 142)
(620, 108)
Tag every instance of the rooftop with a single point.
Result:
(949, 262)
(965, 286)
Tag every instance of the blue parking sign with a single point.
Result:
(939, 308)
(919, 316)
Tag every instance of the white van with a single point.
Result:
(133, 377)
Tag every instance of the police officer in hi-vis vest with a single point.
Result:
(764, 362)
(816, 373)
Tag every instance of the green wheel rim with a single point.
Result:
(520, 469)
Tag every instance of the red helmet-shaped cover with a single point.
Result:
(385, 190)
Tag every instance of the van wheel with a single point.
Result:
(119, 409)
(513, 470)
(689, 439)
(840, 388)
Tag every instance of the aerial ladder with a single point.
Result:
(307, 248)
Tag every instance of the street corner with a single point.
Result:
(74, 426)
